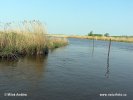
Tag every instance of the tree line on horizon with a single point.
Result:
(92, 34)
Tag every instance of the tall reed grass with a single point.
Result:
(25, 38)
(55, 42)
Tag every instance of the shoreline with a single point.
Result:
(104, 38)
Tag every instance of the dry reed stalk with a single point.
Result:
(27, 37)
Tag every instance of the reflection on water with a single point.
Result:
(8, 63)
(29, 69)
(36, 70)
(107, 71)
(36, 63)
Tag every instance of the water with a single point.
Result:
(75, 72)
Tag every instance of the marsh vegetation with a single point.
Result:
(26, 38)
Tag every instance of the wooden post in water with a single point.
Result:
(107, 72)
(109, 47)
(93, 46)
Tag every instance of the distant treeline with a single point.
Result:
(106, 34)
(92, 34)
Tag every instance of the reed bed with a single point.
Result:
(55, 42)
(26, 38)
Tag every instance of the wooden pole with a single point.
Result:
(107, 72)
(93, 46)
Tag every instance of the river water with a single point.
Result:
(80, 71)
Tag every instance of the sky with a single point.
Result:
(77, 17)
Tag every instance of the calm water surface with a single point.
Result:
(78, 71)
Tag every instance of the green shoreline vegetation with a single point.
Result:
(26, 38)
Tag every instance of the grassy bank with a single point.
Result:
(105, 38)
(117, 39)
(26, 38)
